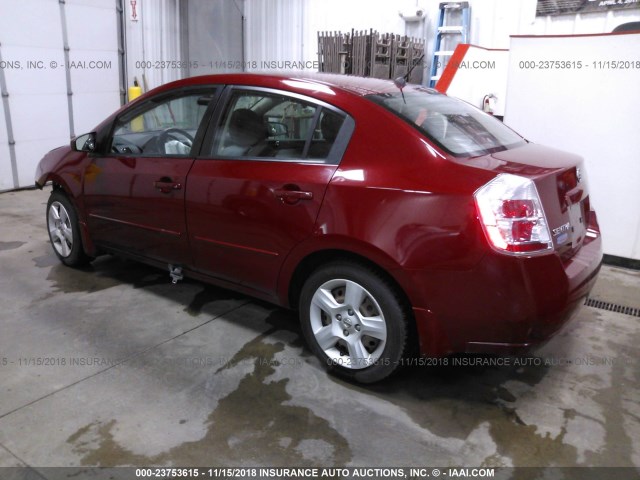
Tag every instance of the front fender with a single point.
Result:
(64, 168)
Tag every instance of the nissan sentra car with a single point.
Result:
(397, 220)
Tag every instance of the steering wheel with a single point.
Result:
(121, 145)
(173, 133)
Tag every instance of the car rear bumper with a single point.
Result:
(504, 305)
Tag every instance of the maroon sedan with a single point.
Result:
(396, 220)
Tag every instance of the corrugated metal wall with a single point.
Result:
(278, 30)
(173, 39)
(154, 42)
(215, 36)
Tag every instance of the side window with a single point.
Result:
(325, 135)
(268, 125)
(165, 127)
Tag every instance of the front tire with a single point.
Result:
(354, 321)
(64, 230)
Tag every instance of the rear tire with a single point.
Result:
(354, 321)
(64, 230)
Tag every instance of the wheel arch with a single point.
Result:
(312, 261)
(59, 185)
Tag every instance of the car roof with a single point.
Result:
(328, 87)
(360, 86)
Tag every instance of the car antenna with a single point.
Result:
(406, 76)
(401, 82)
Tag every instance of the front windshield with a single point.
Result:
(454, 125)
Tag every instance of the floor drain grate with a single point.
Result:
(612, 307)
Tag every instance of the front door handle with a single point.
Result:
(292, 196)
(166, 185)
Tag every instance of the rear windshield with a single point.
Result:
(454, 125)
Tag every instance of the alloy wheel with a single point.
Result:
(348, 324)
(60, 229)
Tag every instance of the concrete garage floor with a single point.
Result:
(140, 372)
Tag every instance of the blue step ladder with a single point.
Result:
(446, 29)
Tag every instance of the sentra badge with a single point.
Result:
(561, 229)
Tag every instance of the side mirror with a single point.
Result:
(84, 143)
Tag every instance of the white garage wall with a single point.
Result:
(31, 38)
(472, 83)
(7, 180)
(31, 30)
(93, 32)
(591, 111)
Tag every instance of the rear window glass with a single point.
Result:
(454, 125)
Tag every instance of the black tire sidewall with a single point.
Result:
(394, 313)
(77, 256)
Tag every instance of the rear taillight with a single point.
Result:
(512, 216)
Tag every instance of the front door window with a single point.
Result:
(165, 128)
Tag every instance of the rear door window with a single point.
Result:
(278, 126)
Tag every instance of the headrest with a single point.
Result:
(246, 128)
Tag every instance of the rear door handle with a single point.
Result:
(166, 185)
(292, 196)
